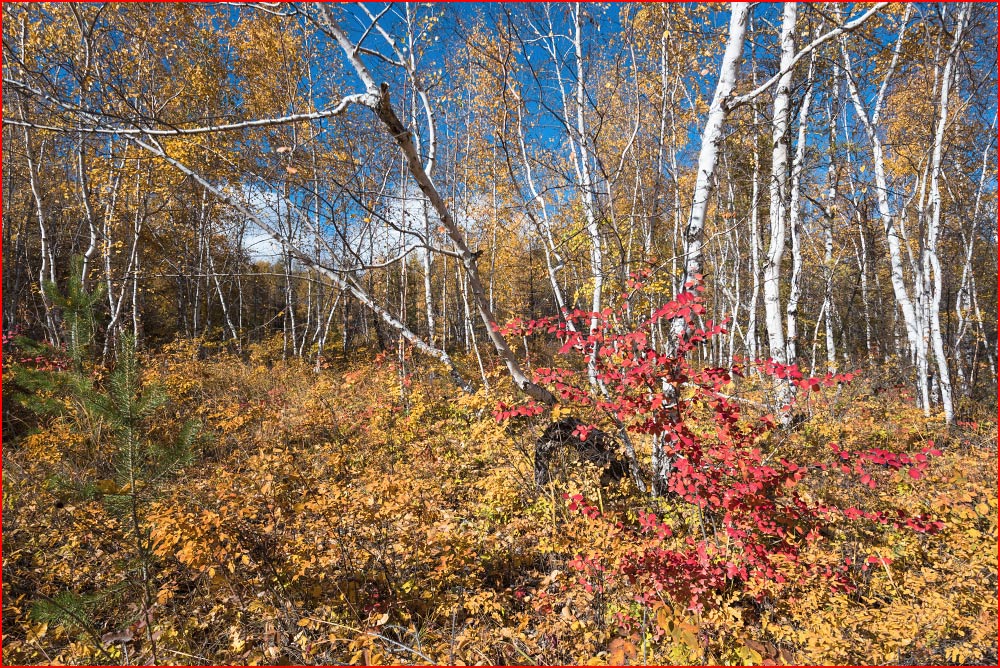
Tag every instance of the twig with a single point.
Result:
(376, 635)
(191, 656)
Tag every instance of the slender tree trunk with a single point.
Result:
(829, 267)
(711, 139)
(930, 253)
(882, 192)
(46, 270)
(581, 162)
(376, 98)
(755, 245)
(88, 254)
(794, 222)
(964, 298)
(778, 210)
(833, 111)
(545, 228)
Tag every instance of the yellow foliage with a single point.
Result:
(333, 510)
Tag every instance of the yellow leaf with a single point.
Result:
(663, 619)
(37, 633)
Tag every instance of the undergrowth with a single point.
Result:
(366, 515)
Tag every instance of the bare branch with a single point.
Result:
(338, 109)
(740, 100)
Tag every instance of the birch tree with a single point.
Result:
(711, 137)
(869, 122)
(933, 279)
(778, 192)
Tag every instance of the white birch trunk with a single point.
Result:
(88, 254)
(710, 139)
(755, 245)
(46, 270)
(930, 249)
(831, 350)
(581, 159)
(899, 289)
(964, 298)
(778, 212)
(708, 156)
(376, 98)
(545, 228)
(792, 309)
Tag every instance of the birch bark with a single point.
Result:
(778, 209)
(376, 98)
(869, 124)
(711, 138)
(794, 222)
(932, 263)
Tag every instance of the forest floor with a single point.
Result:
(360, 515)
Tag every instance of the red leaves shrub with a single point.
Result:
(754, 520)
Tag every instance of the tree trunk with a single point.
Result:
(711, 138)
(931, 261)
(377, 99)
(795, 224)
(882, 192)
(778, 211)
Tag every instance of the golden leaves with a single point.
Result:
(621, 650)
(330, 505)
(37, 632)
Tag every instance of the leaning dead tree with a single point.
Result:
(377, 99)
